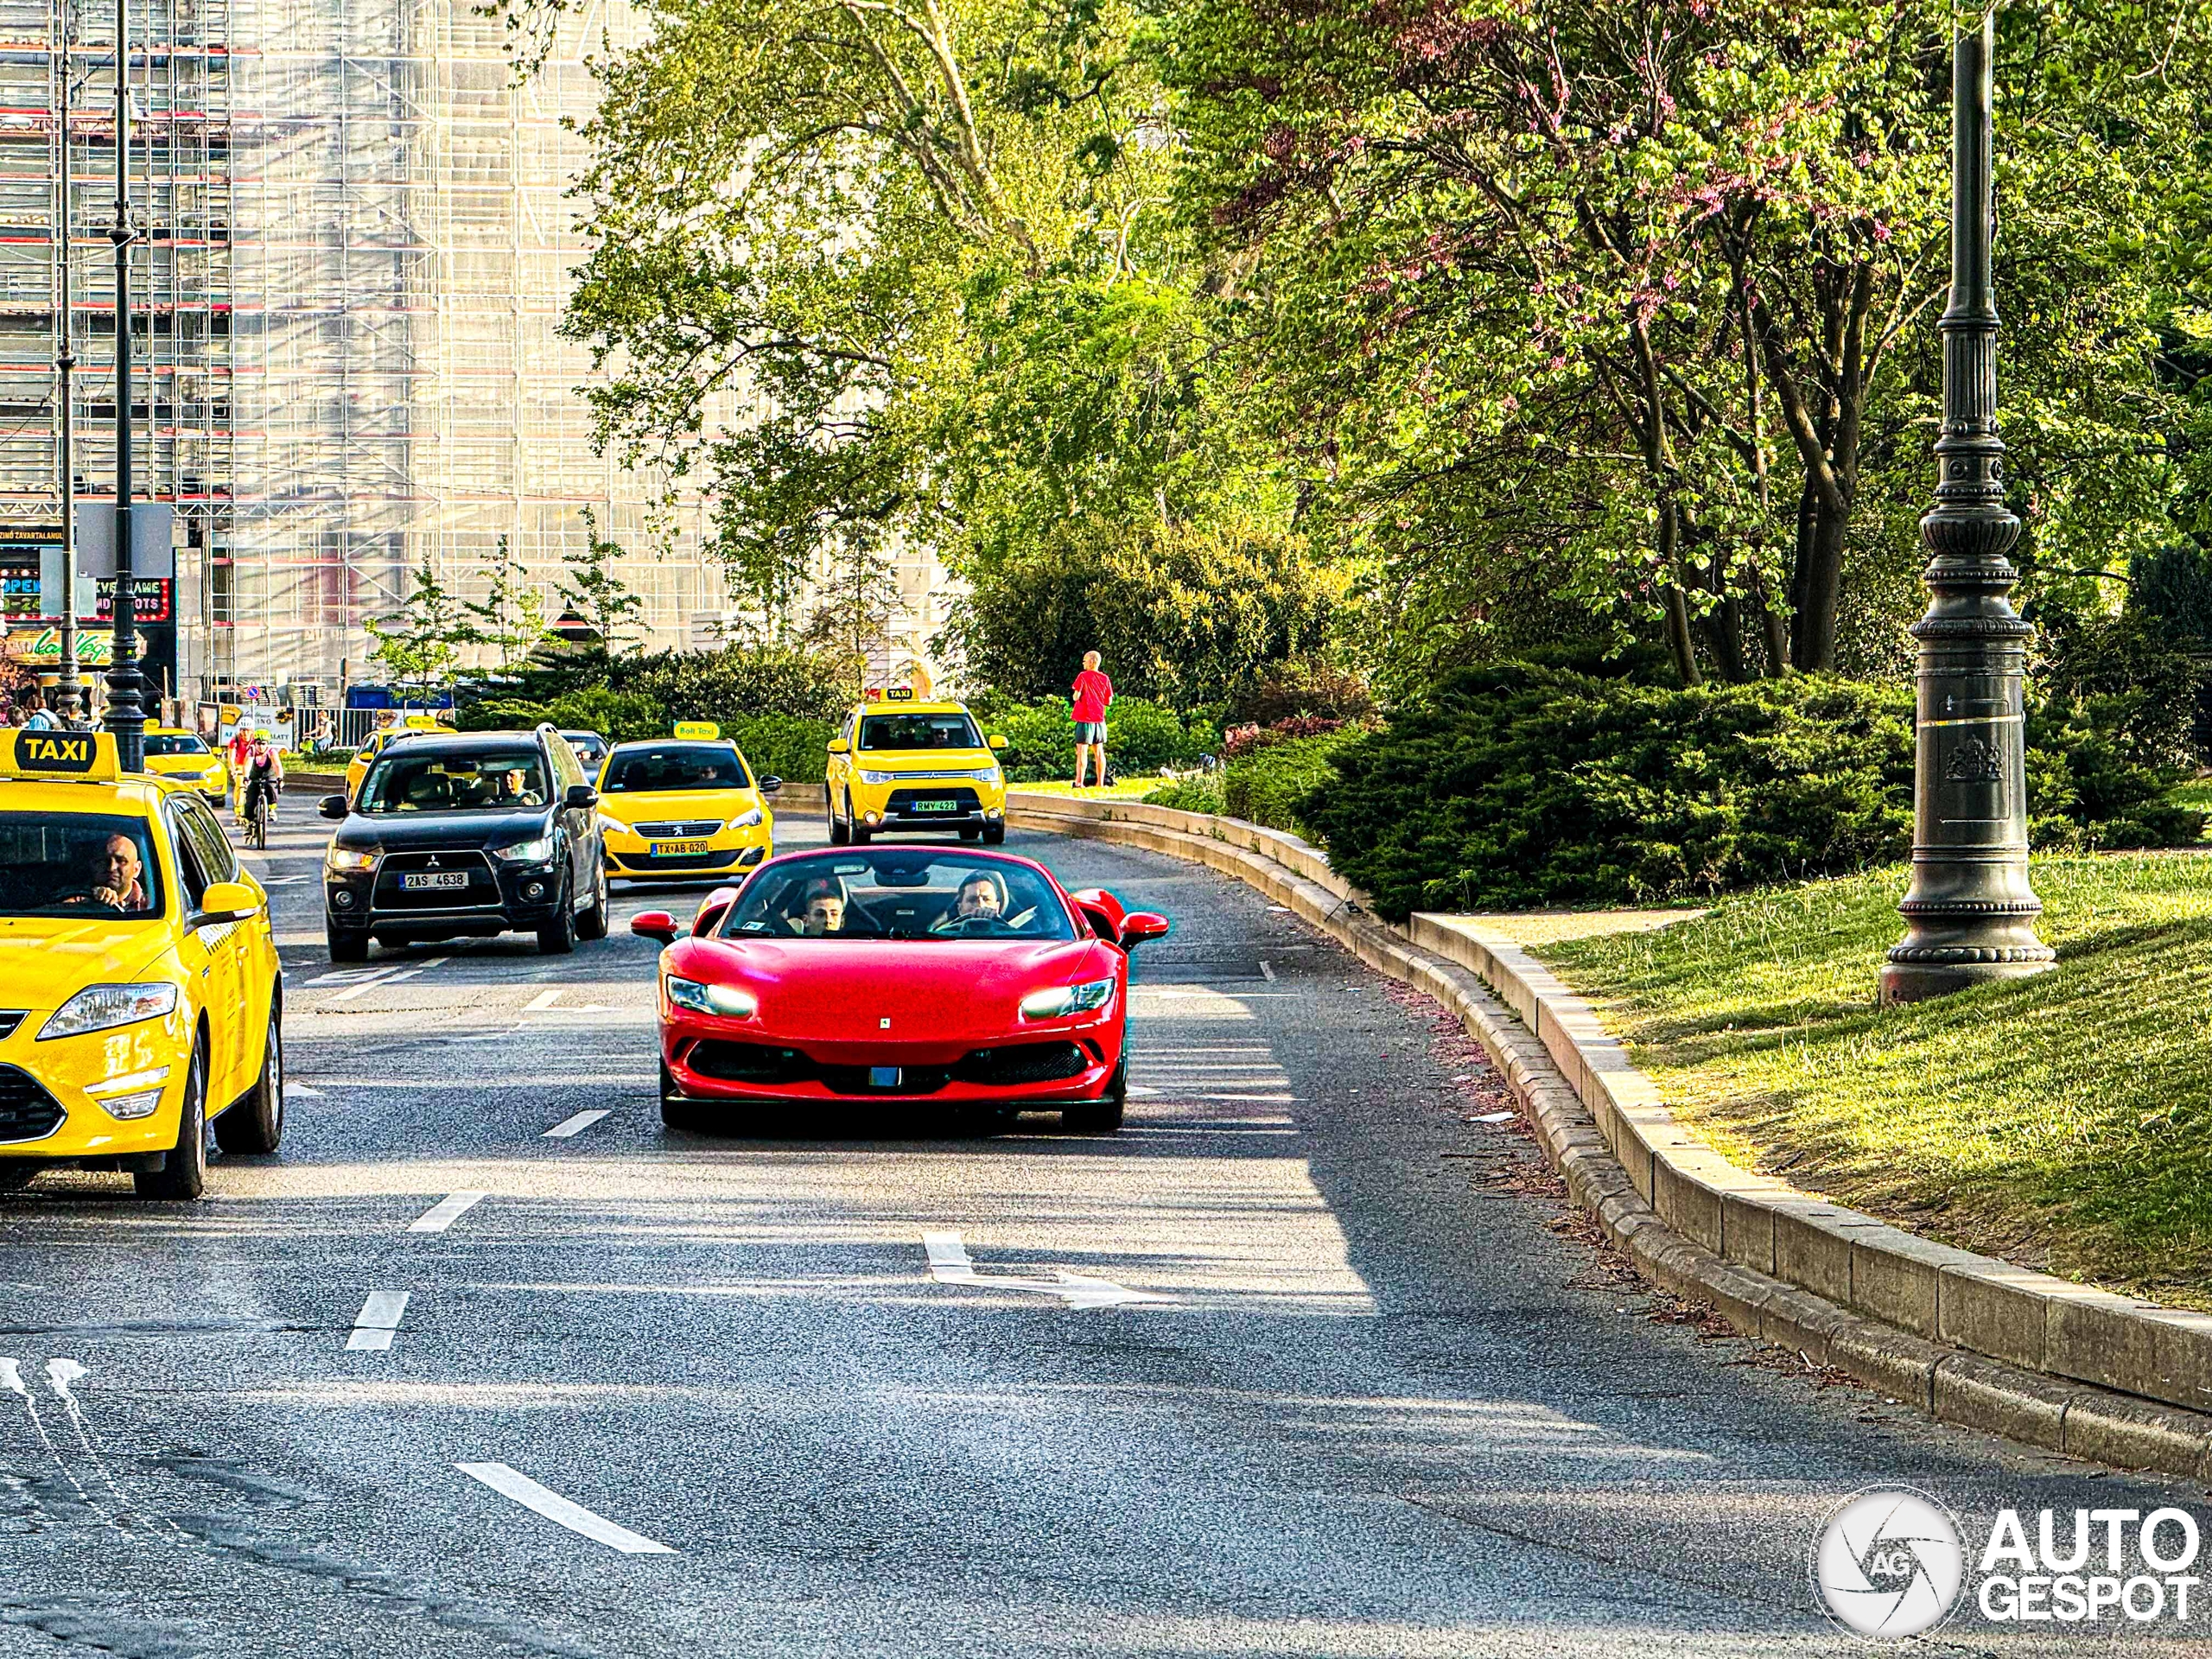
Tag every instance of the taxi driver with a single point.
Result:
(113, 877)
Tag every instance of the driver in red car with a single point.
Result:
(980, 900)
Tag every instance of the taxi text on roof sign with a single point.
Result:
(896, 694)
(697, 731)
(89, 756)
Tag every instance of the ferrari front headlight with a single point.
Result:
(1059, 1000)
(101, 1007)
(728, 1000)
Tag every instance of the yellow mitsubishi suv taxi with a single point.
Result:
(684, 807)
(903, 764)
(364, 757)
(172, 751)
(140, 1002)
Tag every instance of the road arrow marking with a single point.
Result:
(446, 1212)
(379, 1317)
(301, 1092)
(950, 1265)
(573, 1126)
(544, 1501)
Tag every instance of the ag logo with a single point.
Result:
(1888, 1563)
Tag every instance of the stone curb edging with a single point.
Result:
(1965, 1338)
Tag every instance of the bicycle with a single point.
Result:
(256, 817)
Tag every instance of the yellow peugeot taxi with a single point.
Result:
(175, 753)
(140, 1001)
(684, 807)
(364, 757)
(902, 764)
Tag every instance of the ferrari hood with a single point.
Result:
(929, 991)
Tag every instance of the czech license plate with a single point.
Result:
(664, 849)
(936, 806)
(434, 879)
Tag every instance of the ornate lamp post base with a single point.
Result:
(1970, 914)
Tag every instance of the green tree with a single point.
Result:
(511, 617)
(419, 644)
(594, 590)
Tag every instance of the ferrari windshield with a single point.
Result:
(948, 731)
(899, 893)
(649, 769)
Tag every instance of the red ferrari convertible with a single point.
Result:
(948, 977)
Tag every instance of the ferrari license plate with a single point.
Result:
(434, 879)
(665, 848)
(936, 806)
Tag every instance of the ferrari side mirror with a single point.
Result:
(655, 925)
(1141, 924)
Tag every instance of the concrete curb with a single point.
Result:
(1967, 1338)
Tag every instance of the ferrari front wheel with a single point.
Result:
(1104, 1114)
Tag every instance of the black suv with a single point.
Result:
(468, 834)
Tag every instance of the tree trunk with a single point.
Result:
(1820, 584)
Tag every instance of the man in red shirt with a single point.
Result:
(1093, 694)
(239, 748)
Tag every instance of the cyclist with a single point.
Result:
(264, 773)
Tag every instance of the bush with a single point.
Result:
(1515, 785)
(786, 746)
(1141, 737)
(1307, 690)
(734, 683)
(1266, 785)
(1199, 794)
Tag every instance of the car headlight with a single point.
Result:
(986, 775)
(97, 1007)
(340, 860)
(535, 850)
(746, 820)
(878, 777)
(612, 826)
(712, 999)
(1067, 999)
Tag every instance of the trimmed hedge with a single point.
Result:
(1141, 737)
(1265, 785)
(1515, 786)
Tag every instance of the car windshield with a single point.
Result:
(589, 745)
(418, 776)
(173, 743)
(675, 765)
(899, 893)
(77, 864)
(954, 731)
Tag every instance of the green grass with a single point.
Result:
(2064, 1122)
(2196, 795)
(1121, 789)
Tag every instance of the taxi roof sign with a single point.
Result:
(422, 723)
(697, 731)
(895, 694)
(80, 757)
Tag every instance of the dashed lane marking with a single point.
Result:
(950, 1265)
(378, 1319)
(544, 1000)
(569, 1127)
(1267, 971)
(542, 1500)
(446, 1212)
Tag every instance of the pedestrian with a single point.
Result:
(39, 717)
(1093, 694)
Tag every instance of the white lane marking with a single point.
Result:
(543, 1000)
(349, 975)
(1270, 1100)
(388, 977)
(282, 881)
(1138, 1092)
(446, 1211)
(950, 1265)
(542, 1500)
(379, 1317)
(301, 1092)
(1494, 1117)
(573, 1126)
(1266, 972)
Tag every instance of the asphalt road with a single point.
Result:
(1380, 1396)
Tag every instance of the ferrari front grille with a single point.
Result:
(26, 1112)
(1021, 1063)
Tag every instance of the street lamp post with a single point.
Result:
(1969, 913)
(126, 711)
(65, 363)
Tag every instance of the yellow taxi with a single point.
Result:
(684, 807)
(901, 763)
(140, 1002)
(364, 757)
(185, 758)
